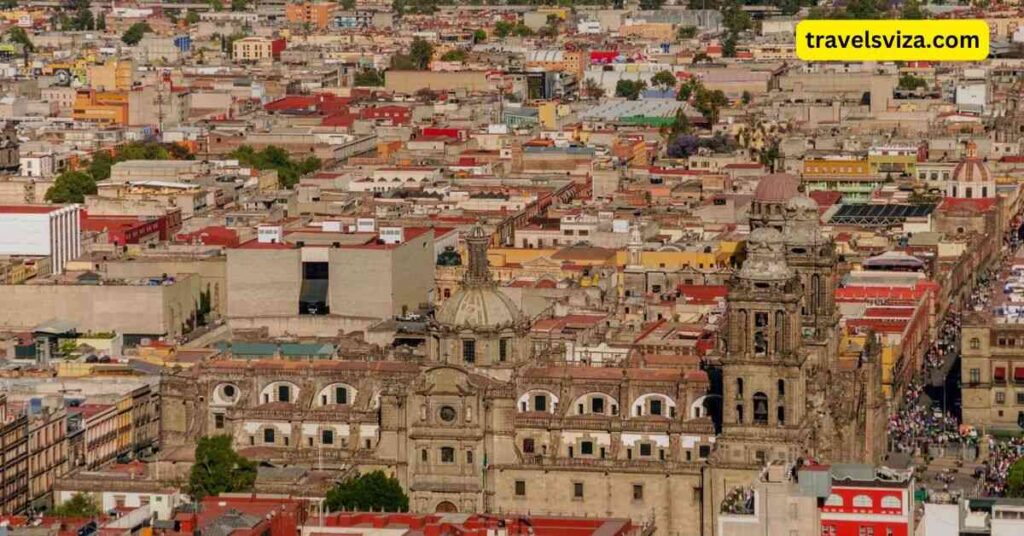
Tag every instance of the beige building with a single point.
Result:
(992, 372)
(313, 280)
(252, 49)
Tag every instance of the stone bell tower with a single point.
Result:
(812, 257)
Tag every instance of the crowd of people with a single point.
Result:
(916, 427)
(993, 472)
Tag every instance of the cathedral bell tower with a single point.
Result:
(763, 379)
(812, 257)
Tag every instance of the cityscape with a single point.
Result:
(510, 267)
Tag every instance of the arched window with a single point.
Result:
(834, 500)
(760, 408)
(862, 501)
(891, 501)
(815, 285)
(782, 387)
(739, 387)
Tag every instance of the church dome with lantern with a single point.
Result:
(972, 178)
(479, 324)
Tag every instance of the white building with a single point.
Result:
(41, 230)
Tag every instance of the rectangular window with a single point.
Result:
(520, 488)
(975, 375)
(447, 455)
(577, 490)
(528, 445)
(327, 437)
(341, 395)
(469, 457)
(597, 405)
(645, 449)
(1020, 398)
(284, 394)
(268, 435)
(1000, 397)
(503, 350)
(218, 421)
(469, 351)
(540, 403)
(655, 407)
(423, 455)
(587, 448)
(638, 492)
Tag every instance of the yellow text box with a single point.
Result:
(892, 40)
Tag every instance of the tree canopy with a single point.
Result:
(71, 187)
(17, 34)
(79, 505)
(1015, 479)
(372, 491)
(288, 170)
(219, 469)
(911, 82)
(664, 80)
(369, 77)
(134, 33)
(630, 89)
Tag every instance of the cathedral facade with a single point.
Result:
(480, 424)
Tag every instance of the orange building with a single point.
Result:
(104, 107)
(316, 14)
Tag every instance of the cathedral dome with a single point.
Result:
(478, 307)
(972, 168)
(776, 188)
(478, 304)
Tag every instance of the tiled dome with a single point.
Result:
(777, 188)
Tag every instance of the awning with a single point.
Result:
(1000, 374)
(1018, 374)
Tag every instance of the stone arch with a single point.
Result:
(528, 401)
(274, 391)
(587, 404)
(338, 393)
(446, 507)
(654, 404)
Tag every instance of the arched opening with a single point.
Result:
(446, 507)
(760, 408)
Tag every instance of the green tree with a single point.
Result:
(664, 80)
(910, 82)
(479, 36)
(79, 505)
(680, 125)
(99, 167)
(630, 89)
(687, 90)
(454, 55)
(134, 33)
(421, 52)
(746, 97)
(84, 20)
(729, 46)
(709, 103)
(502, 28)
(373, 491)
(522, 30)
(217, 5)
(239, 5)
(687, 32)
(71, 187)
(1015, 479)
(219, 469)
(369, 77)
(735, 19)
(18, 35)
(101, 22)
(272, 157)
(348, 5)
(192, 17)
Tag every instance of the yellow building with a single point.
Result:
(112, 75)
(103, 107)
(829, 167)
(252, 49)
